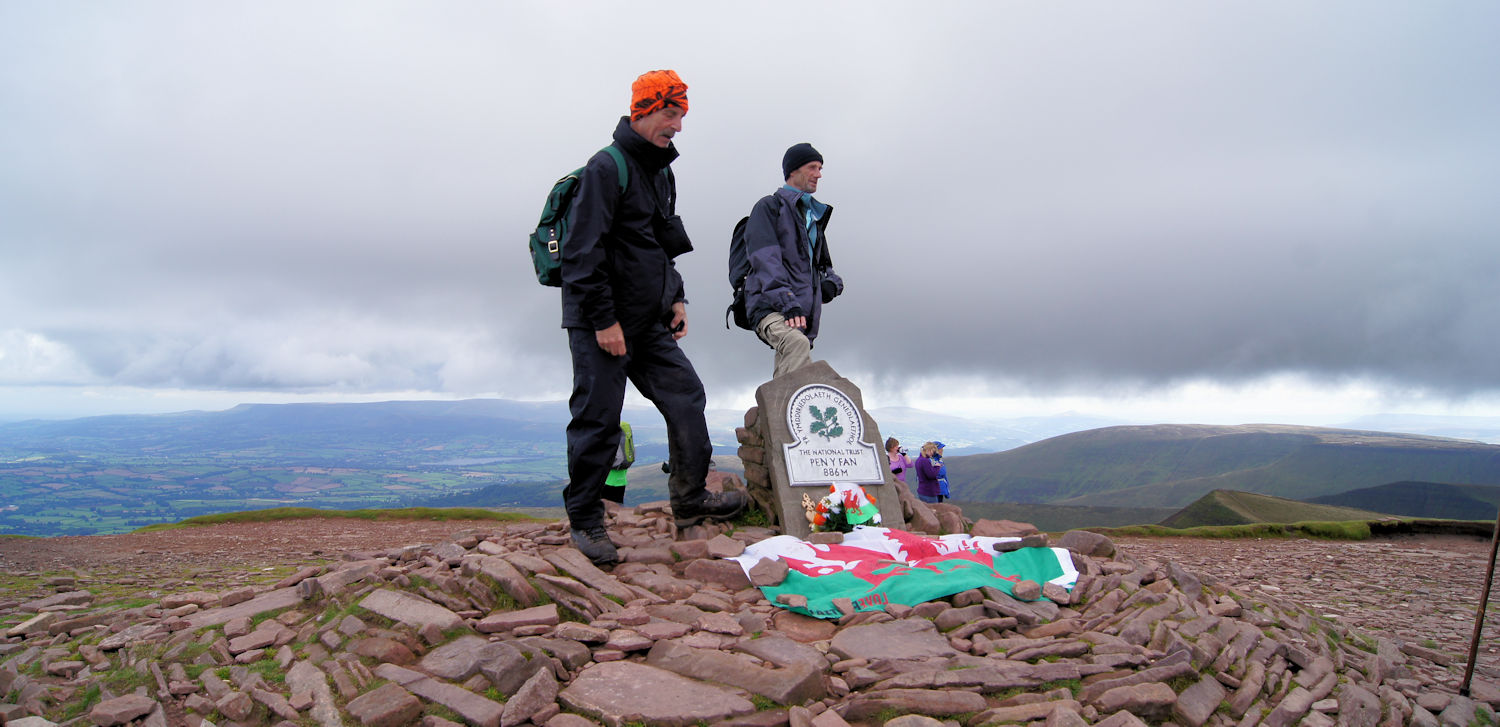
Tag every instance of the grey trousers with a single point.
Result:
(793, 350)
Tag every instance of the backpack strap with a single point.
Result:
(622, 171)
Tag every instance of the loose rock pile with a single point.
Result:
(512, 626)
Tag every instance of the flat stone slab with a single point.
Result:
(789, 685)
(475, 709)
(619, 692)
(409, 609)
(268, 601)
(901, 639)
(782, 651)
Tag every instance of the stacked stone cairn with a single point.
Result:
(920, 517)
(511, 626)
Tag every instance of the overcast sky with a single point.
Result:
(1250, 211)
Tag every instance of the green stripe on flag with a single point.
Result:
(872, 587)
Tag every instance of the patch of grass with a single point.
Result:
(495, 695)
(264, 616)
(1482, 718)
(752, 517)
(437, 710)
(19, 584)
(127, 678)
(1347, 530)
(86, 701)
(455, 633)
(763, 703)
(1180, 683)
(269, 670)
(304, 513)
(567, 614)
(504, 601)
(333, 614)
(1074, 686)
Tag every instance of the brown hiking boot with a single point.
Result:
(710, 506)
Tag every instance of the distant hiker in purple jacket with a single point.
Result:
(927, 475)
(791, 274)
(900, 463)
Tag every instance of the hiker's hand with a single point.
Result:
(679, 320)
(797, 322)
(612, 340)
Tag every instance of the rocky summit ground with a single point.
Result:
(325, 622)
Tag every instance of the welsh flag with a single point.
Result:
(878, 566)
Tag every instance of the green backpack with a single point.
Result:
(625, 453)
(552, 229)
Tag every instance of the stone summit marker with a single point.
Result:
(818, 433)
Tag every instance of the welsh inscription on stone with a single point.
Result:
(828, 434)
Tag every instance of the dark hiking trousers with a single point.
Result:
(662, 373)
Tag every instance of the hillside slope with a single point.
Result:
(1228, 507)
(1173, 465)
(1422, 499)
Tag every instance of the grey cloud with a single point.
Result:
(334, 197)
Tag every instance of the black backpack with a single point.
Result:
(739, 269)
(552, 229)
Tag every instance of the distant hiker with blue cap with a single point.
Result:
(937, 459)
(791, 274)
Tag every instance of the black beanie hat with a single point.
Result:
(796, 156)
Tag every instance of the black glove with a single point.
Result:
(830, 291)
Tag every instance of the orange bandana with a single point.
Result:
(655, 90)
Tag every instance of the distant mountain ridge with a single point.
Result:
(1171, 465)
(113, 473)
(1422, 499)
(1229, 507)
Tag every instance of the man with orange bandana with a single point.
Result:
(624, 308)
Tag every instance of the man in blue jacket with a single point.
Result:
(791, 274)
(624, 309)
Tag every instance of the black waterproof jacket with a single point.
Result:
(613, 269)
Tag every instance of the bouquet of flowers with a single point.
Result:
(844, 507)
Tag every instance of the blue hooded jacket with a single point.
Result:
(784, 277)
